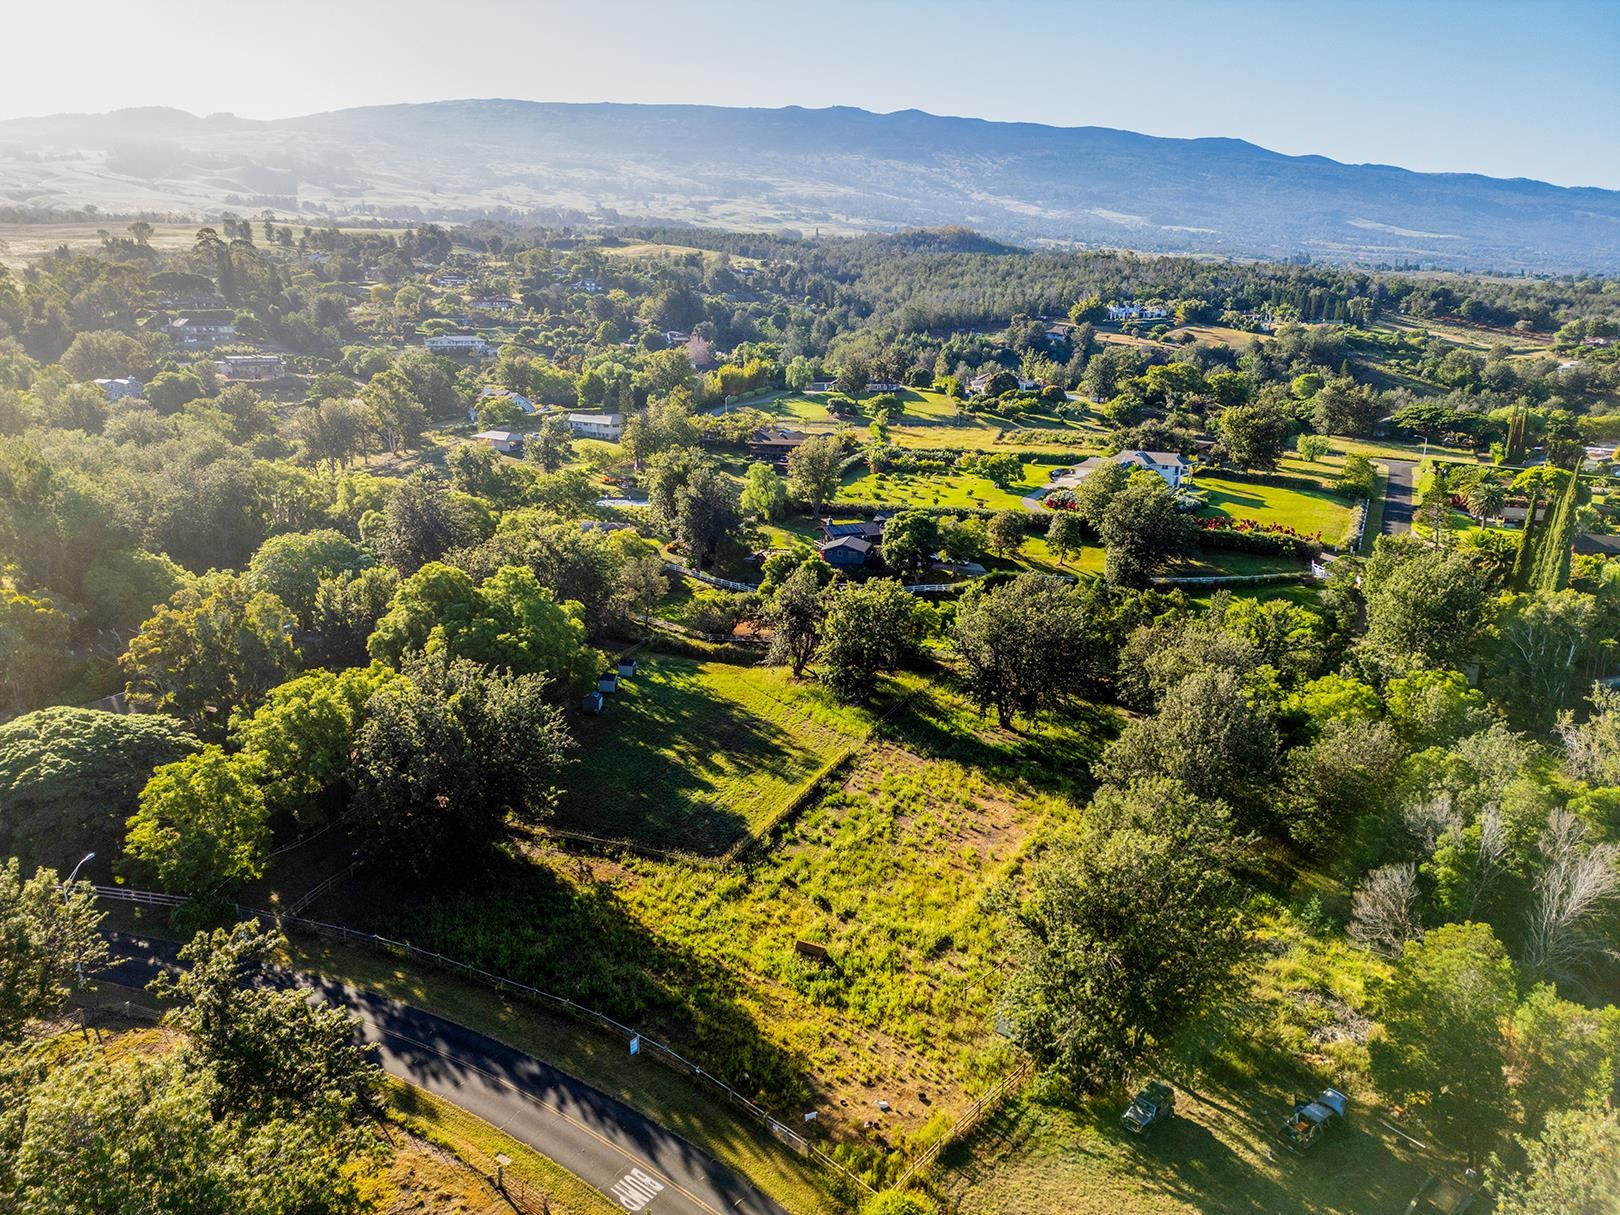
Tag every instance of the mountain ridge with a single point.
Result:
(838, 168)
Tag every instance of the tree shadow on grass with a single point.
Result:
(1053, 755)
(658, 764)
(521, 921)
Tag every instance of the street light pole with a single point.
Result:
(85, 859)
(67, 887)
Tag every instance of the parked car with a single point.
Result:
(1311, 1118)
(1149, 1107)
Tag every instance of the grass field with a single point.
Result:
(895, 871)
(953, 489)
(1307, 511)
(932, 420)
(692, 755)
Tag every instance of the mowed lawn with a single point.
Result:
(931, 420)
(691, 755)
(1306, 511)
(952, 489)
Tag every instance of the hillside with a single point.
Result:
(836, 169)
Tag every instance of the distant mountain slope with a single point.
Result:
(838, 169)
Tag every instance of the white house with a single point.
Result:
(505, 441)
(979, 382)
(819, 386)
(1137, 312)
(458, 343)
(200, 331)
(491, 392)
(597, 425)
(117, 390)
(1172, 466)
(251, 366)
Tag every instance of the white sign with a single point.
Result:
(635, 1045)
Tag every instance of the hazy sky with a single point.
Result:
(1526, 89)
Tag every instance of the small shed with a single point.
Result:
(593, 702)
(609, 682)
(627, 667)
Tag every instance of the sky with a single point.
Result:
(1523, 89)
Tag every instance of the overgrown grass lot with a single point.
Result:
(900, 871)
(1295, 1032)
(691, 755)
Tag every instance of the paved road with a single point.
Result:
(608, 1145)
(1398, 496)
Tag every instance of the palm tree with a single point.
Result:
(1486, 498)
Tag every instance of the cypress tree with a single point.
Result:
(1524, 558)
(1551, 569)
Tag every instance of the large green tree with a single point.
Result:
(1025, 645)
(1444, 1012)
(870, 628)
(1141, 530)
(49, 943)
(813, 468)
(216, 644)
(202, 824)
(447, 754)
(1130, 931)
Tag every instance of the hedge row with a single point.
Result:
(1277, 480)
(1270, 543)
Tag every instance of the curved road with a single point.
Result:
(603, 1142)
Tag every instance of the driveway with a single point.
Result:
(1399, 496)
(606, 1144)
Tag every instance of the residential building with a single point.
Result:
(819, 386)
(1137, 312)
(201, 330)
(458, 343)
(508, 442)
(775, 443)
(1172, 466)
(980, 382)
(491, 392)
(251, 366)
(870, 530)
(597, 425)
(117, 390)
(848, 552)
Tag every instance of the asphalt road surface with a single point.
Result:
(606, 1144)
(1399, 490)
